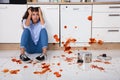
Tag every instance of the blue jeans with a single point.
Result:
(29, 45)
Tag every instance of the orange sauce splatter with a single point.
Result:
(65, 27)
(43, 63)
(25, 67)
(50, 70)
(62, 42)
(69, 59)
(19, 62)
(100, 42)
(61, 70)
(67, 48)
(97, 61)
(69, 52)
(107, 62)
(36, 72)
(56, 38)
(57, 74)
(14, 71)
(75, 26)
(89, 18)
(92, 40)
(58, 64)
(62, 55)
(5, 70)
(54, 56)
(34, 63)
(97, 67)
(45, 68)
(84, 48)
(16, 60)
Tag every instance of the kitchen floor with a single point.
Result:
(60, 66)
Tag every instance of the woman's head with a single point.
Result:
(34, 14)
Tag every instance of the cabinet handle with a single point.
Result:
(52, 8)
(75, 8)
(114, 14)
(3, 7)
(114, 7)
(113, 30)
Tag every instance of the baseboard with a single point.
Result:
(105, 46)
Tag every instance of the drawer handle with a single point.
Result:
(75, 8)
(52, 8)
(114, 14)
(114, 7)
(113, 30)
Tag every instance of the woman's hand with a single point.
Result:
(41, 16)
(29, 12)
(40, 11)
(27, 23)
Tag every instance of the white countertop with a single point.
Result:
(70, 3)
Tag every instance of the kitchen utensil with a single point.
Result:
(79, 58)
(104, 57)
(87, 57)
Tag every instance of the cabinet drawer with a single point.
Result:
(106, 34)
(106, 20)
(106, 8)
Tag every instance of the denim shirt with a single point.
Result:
(34, 29)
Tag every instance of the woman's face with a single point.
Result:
(35, 17)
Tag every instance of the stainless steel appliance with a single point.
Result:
(13, 1)
(4, 1)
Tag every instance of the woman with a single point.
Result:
(34, 38)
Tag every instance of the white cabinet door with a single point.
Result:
(10, 22)
(106, 34)
(51, 16)
(106, 20)
(75, 23)
(106, 8)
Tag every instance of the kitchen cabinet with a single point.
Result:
(106, 24)
(10, 22)
(51, 16)
(75, 23)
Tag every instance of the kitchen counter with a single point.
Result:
(63, 66)
(75, 3)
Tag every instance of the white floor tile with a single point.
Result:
(70, 70)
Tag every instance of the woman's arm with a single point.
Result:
(27, 23)
(41, 17)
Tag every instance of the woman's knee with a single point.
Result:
(26, 31)
(43, 33)
(43, 30)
